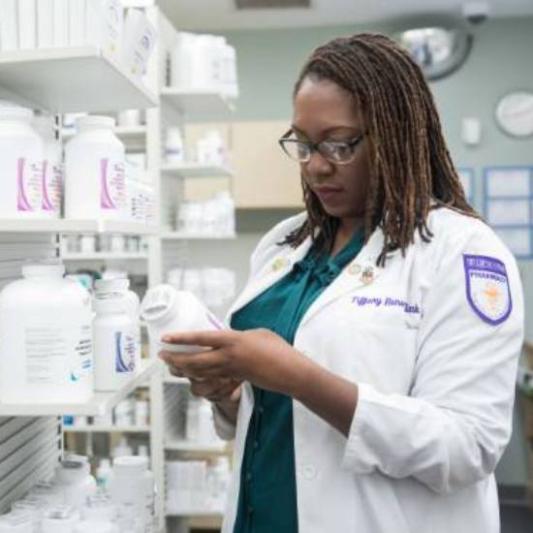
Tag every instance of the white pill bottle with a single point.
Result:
(21, 164)
(114, 344)
(46, 351)
(167, 310)
(95, 184)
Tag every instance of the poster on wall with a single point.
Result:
(508, 206)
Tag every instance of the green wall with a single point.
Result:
(269, 61)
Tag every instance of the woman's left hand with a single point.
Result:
(259, 356)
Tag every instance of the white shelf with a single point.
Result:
(65, 226)
(198, 106)
(193, 514)
(104, 256)
(181, 236)
(196, 447)
(71, 79)
(106, 429)
(195, 170)
(100, 404)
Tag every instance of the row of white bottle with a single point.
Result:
(214, 217)
(97, 184)
(70, 503)
(204, 63)
(128, 37)
(49, 337)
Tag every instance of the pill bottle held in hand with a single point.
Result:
(168, 310)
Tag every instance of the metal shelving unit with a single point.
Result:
(195, 170)
(106, 429)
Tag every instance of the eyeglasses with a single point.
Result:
(338, 152)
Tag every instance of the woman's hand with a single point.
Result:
(258, 356)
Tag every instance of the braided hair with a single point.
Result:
(411, 168)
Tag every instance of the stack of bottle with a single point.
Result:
(212, 218)
(125, 36)
(52, 351)
(70, 502)
(97, 183)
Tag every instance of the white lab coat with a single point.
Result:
(436, 385)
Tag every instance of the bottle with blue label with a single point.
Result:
(114, 344)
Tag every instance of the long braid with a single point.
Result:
(411, 168)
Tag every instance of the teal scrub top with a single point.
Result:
(267, 497)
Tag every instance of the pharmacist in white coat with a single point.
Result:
(368, 378)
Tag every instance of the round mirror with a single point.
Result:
(514, 113)
(439, 49)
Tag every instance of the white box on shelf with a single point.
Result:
(60, 23)
(139, 41)
(76, 22)
(28, 27)
(45, 23)
(105, 25)
(8, 25)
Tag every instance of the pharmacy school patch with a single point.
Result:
(487, 288)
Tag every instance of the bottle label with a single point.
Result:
(112, 185)
(52, 185)
(29, 178)
(57, 354)
(124, 353)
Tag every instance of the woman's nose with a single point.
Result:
(317, 167)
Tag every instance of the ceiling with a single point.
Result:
(222, 14)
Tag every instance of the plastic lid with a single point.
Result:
(13, 111)
(111, 285)
(95, 122)
(71, 471)
(130, 465)
(157, 302)
(56, 270)
(110, 305)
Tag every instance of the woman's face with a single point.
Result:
(325, 111)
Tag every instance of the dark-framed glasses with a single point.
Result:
(338, 152)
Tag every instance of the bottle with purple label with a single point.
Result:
(95, 183)
(166, 310)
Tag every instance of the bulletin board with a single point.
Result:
(467, 177)
(508, 206)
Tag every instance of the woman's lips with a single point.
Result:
(327, 193)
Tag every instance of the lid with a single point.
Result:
(104, 463)
(12, 111)
(56, 270)
(71, 471)
(111, 285)
(95, 122)
(157, 302)
(130, 465)
(110, 305)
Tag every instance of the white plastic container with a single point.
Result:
(139, 41)
(105, 26)
(60, 519)
(132, 490)
(142, 413)
(21, 162)
(46, 350)
(120, 288)
(129, 118)
(45, 23)
(95, 185)
(52, 171)
(28, 26)
(75, 482)
(103, 475)
(8, 25)
(60, 23)
(76, 22)
(168, 310)
(174, 150)
(114, 344)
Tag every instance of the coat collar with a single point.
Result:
(360, 272)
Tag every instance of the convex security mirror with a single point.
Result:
(440, 48)
(514, 113)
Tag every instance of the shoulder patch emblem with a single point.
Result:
(487, 288)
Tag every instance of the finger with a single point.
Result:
(212, 339)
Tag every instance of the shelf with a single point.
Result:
(99, 405)
(106, 429)
(195, 170)
(105, 256)
(181, 236)
(201, 106)
(66, 226)
(71, 79)
(194, 514)
(196, 447)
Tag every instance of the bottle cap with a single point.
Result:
(157, 302)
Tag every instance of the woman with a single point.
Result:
(378, 335)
